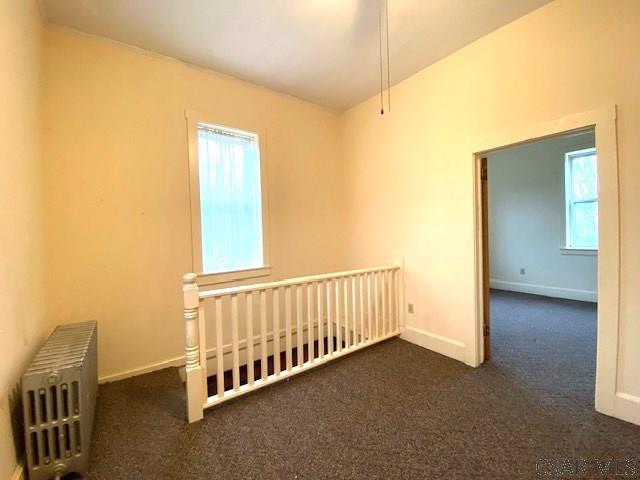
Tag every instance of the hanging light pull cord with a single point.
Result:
(386, 18)
(383, 16)
(380, 54)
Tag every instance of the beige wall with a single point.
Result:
(117, 195)
(410, 173)
(22, 321)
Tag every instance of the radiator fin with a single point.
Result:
(65, 400)
(43, 405)
(76, 426)
(35, 451)
(31, 408)
(75, 398)
(56, 443)
(53, 399)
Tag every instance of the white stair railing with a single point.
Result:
(330, 315)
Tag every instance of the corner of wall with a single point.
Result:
(22, 303)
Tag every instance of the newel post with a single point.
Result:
(194, 371)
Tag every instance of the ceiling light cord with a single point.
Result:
(380, 54)
(383, 16)
(386, 17)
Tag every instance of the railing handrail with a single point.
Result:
(203, 294)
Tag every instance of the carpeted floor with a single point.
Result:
(392, 411)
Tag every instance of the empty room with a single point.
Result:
(319, 239)
(542, 232)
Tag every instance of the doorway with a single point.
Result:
(540, 226)
(603, 123)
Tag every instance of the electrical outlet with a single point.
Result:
(410, 308)
(522, 271)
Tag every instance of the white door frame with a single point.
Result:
(608, 400)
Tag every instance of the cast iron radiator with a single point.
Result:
(59, 395)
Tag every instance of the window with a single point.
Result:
(581, 190)
(227, 201)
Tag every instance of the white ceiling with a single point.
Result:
(323, 51)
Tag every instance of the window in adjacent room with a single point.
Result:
(227, 193)
(581, 191)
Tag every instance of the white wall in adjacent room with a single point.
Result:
(527, 221)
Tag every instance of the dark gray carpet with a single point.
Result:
(392, 411)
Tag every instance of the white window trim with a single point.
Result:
(569, 249)
(588, 252)
(193, 119)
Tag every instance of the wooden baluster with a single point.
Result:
(329, 318)
(249, 321)
(192, 348)
(385, 299)
(383, 303)
(310, 327)
(361, 289)
(276, 331)
(319, 290)
(287, 326)
(354, 307)
(219, 348)
(369, 308)
(347, 328)
(263, 335)
(396, 303)
(235, 352)
(337, 308)
(299, 326)
(389, 302)
(380, 299)
(202, 334)
(376, 304)
(400, 297)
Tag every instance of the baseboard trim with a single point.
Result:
(151, 367)
(437, 343)
(18, 473)
(627, 407)
(556, 292)
(179, 361)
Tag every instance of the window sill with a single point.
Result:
(226, 277)
(588, 252)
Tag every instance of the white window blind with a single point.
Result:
(230, 199)
(581, 179)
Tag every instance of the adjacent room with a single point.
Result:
(542, 208)
(336, 239)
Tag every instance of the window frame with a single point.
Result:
(193, 119)
(568, 248)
